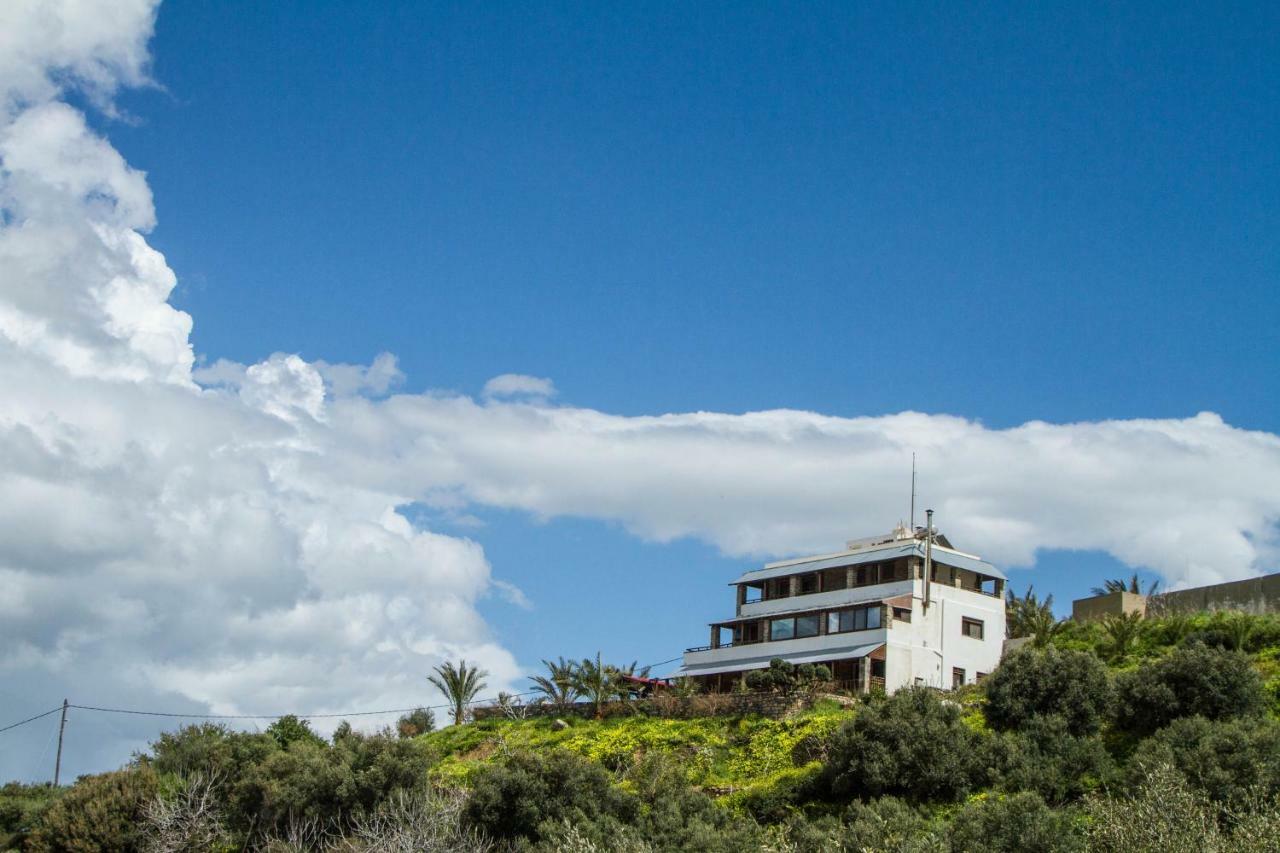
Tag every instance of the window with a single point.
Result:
(808, 584)
(807, 626)
(902, 613)
(782, 629)
(857, 619)
(978, 676)
(971, 628)
(957, 677)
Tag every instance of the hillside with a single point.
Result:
(1130, 735)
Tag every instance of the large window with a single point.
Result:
(971, 628)
(855, 619)
(791, 628)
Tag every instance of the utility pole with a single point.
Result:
(62, 727)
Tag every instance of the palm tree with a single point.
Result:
(1122, 632)
(595, 681)
(1132, 585)
(557, 686)
(460, 684)
(1023, 616)
(623, 687)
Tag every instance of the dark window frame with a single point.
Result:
(967, 623)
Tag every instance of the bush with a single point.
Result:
(887, 824)
(1044, 757)
(1197, 680)
(786, 678)
(1229, 761)
(100, 813)
(20, 810)
(1018, 823)
(911, 744)
(1163, 815)
(515, 799)
(1031, 683)
(417, 722)
(312, 780)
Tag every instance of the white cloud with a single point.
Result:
(345, 380)
(165, 543)
(1193, 499)
(518, 385)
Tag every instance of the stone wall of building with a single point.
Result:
(1111, 604)
(1255, 595)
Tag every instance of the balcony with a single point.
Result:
(830, 599)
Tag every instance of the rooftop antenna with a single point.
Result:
(913, 494)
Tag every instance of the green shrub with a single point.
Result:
(786, 678)
(887, 824)
(290, 729)
(101, 813)
(20, 810)
(514, 799)
(1018, 823)
(1229, 761)
(911, 744)
(1071, 685)
(1162, 815)
(311, 780)
(1197, 680)
(1044, 757)
(417, 722)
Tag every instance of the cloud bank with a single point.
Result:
(231, 536)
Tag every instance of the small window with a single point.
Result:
(807, 626)
(782, 629)
(902, 613)
(808, 584)
(957, 677)
(971, 628)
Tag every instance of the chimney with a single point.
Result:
(928, 556)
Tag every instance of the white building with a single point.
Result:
(868, 613)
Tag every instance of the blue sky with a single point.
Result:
(1067, 213)
(1053, 231)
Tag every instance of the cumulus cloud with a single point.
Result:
(167, 542)
(231, 537)
(518, 385)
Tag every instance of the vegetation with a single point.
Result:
(1166, 742)
(460, 684)
(1133, 585)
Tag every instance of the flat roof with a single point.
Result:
(889, 551)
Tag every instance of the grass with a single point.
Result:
(721, 755)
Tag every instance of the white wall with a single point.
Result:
(933, 643)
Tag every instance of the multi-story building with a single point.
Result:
(888, 611)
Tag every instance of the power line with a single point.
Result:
(32, 719)
(186, 716)
(174, 714)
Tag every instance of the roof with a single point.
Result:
(890, 551)
(838, 653)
